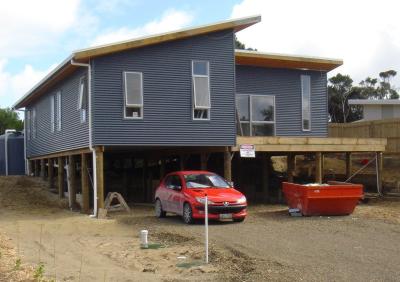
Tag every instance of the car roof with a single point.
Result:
(186, 172)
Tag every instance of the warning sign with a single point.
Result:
(247, 151)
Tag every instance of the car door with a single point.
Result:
(175, 194)
(164, 192)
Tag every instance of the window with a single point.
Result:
(33, 123)
(28, 125)
(256, 114)
(133, 89)
(201, 89)
(173, 182)
(82, 99)
(306, 102)
(52, 112)
(58, 113)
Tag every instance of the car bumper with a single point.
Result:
(214, 212)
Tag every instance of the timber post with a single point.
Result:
(42, 169)
(318, 167)
(348, 165)
(36, 168)
(227, 164)
(379, 169)
(100, 177)
(203, 161)
(266, 166)
(291, 163)
(60, 177)
(50, 172)
(85, 184)
(71, 182)
(162, 168)
(182, 162)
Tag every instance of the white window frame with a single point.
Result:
(302, 103)
(251, 122)
(59, 111)
(194, 107)
(126, 105)
(81, 94)
(52, 112)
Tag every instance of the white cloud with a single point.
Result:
(366, 35)
(28, 25)
(13, 86)
(170, 20)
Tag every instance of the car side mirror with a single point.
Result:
(177, 187)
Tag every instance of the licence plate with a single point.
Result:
(225, 216)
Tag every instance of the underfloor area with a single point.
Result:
(39, 238)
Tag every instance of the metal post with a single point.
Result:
(206, 225)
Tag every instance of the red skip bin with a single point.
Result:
(334, 198)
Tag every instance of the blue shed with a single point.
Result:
(15, 154)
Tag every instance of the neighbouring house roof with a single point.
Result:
(84, 55)
(382, 102)
(273, 60)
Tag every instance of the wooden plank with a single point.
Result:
(318, 167)
(100, 177)
(316, 148)
(63, 154)
(227, 165)
(60, 177)
(72, 182)
(85, 184)
(50, 172)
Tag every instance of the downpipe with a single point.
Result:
(90, 134)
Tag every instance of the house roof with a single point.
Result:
(84, 55)
(274, 60)
(374, 102)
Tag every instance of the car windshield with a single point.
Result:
(205, 181)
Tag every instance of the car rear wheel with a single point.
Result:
(159, 210)
(187, 214)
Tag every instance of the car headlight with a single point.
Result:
(202, 200)
(241, 200)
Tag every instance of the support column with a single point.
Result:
(85, 184)
(227, 165)
(30, 168)
(379, 169)
(42, 168)
(162, 169)
(203, 161)
(36, 168)
(60, 177)
(318, 167)
(291, 167)
(182, 162)
(266, 166)
(50, 173)
(144, 179)
(348, 165)
(71, 182)
(100, 178)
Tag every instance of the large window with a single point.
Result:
(82, 99)
(52, 113)
(133, 89)
(201, 89)
(306, 102)
(256, 114)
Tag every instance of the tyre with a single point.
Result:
(160, 213)
(187, 214)
(241, 219)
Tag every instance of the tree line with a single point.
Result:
(341, 89)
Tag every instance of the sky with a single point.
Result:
(35, 39)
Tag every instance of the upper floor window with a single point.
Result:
(306, 102)
(256, 114)
(133, 90)
(82, 99)
(53, 112)
(201, 89)
(58, 111)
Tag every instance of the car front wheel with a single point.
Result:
(159, 210)
(187, 214)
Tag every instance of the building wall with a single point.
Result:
(167, 94)
(372, 112)
(73, 134)
(285, 85)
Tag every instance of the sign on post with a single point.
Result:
(247, 151)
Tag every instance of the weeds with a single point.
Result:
(39, 272)
(17, 264)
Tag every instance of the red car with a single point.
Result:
(183, 193)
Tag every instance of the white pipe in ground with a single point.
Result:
(206, 225)
(144, 243)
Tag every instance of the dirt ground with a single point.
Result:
(35, 228)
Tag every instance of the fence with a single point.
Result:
(388, 128)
